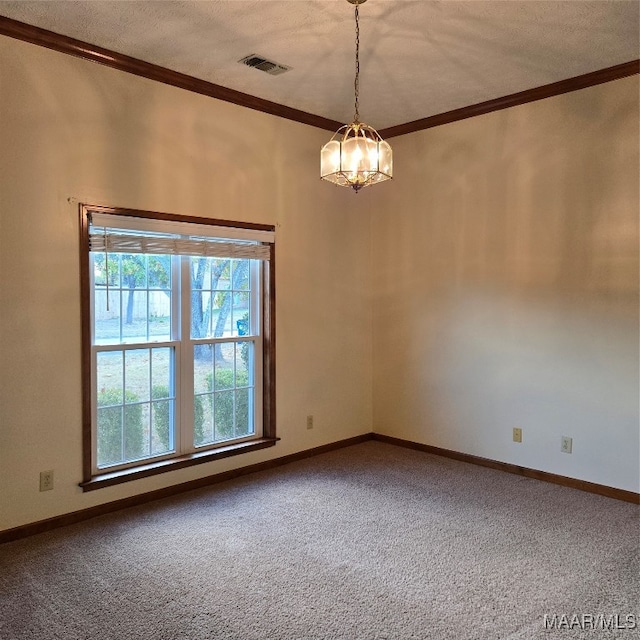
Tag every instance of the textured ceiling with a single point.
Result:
(418, 57)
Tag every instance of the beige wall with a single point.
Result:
(506, 286)
(493, 283)
(74, 131)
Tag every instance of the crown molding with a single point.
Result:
(64, 44)
(514, 99)
(78, 48)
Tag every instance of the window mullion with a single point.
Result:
(186, 401)
(120, 294)
(151, 405)
(223, 340)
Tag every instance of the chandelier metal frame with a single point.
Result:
(356, 156)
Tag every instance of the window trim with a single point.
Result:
(93, 480)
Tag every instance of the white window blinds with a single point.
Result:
(123, 234)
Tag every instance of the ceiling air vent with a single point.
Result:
(258, 62)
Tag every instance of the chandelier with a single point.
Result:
(356, 156)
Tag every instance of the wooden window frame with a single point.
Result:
(92, 481)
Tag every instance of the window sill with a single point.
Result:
(111, 478)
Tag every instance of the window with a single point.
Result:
(178, 342)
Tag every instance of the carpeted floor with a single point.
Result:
(368, 542)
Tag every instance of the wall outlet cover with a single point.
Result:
(46, 480)
(566, 444)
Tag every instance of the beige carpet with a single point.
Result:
(368, 542)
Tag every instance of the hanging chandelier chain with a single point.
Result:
(357, 79)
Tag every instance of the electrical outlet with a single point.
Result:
(517, 434)
(309, 422)
(566, 444)
(46, 480)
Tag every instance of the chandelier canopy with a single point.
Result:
(356, 156)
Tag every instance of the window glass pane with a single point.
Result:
(242, 324)
(110, 382)
(159, 272)
(203, 383)
(220, 271)
(223, 384)
(99, 270)
(223, 409)
(107, 316)
(200, 314)
(203, 412)
(208, 277)
(122, 430)
(220, 314)
(103, 265)
(224, 377)
(203, 368)
(163, 417)
(136, 404)
(221, 297)
(244, 354)
(110, 437)
(240, 298)
(243, 413)
(136, 427)
(133, 313)
(137, 375)
(241, 275)
(162, 438)
(133, 270)
(241, 321)
(162, 371)
(160, 314)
